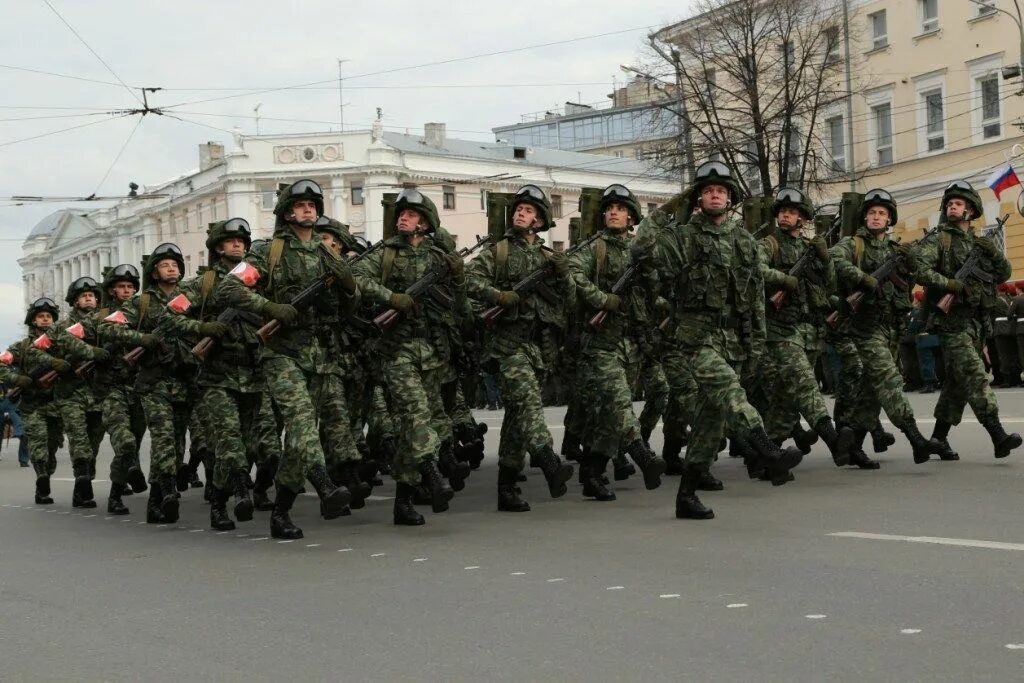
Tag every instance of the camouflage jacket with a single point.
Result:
(310, 340)
(35, 363)
(937, 263)
(890, 304)
(804, 309)
(116, 371)
(712, 276)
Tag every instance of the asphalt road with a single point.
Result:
(912, 572)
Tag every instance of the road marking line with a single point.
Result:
(195, 531)
(261, 538)
(105, 518)
(614, 588)
(381, 498)
(125, 521)
(88, 516)
(345, 550)
(291, 540)
(815, 616)
(419, 559)
(312, 545)
(1015, 646)
(555, 580)
(910, 631)
(669, 595)
(472, 567)
(378, 554)
(938, 540)
(518, 574)
(736, 605)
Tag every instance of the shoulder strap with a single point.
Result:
(143, 307)
(858, 250)
(774, 243)
(209, 280)
(276, 250)
(945, 243)
(501, 260)
(387, 263)
(600, 254)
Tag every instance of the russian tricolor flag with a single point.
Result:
(1003, 179)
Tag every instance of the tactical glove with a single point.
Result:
(342, 273)
(507, 299)
(149, 341)
(612, 303)
(213, 329)
(986, 245)
(869, 283)
(820, 248)
(286, 314)
(60, 365)
(790, 283)
(456, 268)
(401, 302)
(909, 255)
(100, 355)
(23, 381)
(955, 286)
(559, 263)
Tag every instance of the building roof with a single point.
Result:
(56, 220)
(499, 151)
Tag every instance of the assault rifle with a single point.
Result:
(427, 285)
(970, 270)
(202, 349)
(306, 297)
(535, 281)
(621, 285)
(778, 299)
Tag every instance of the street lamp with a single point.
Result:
(989, 4)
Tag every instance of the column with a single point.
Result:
(337, 206)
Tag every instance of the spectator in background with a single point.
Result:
(926, 344)
(12, 421)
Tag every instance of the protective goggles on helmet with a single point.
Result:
(790, 195)
(410, 195)
(236, 227)
(616, 191)
(167, 250)
(711, 169)
(44, 302)
(83, 283)
(533, 192)
(878, 196)
(960, 185)
(124, 271)
(305, 188)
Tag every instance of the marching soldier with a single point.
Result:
(81, 409)
(962, 331)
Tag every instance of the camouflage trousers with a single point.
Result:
(42, 427)
(524, 428)
(607, 377)
(966, 380)
(357, 398)
(576, 421)
(125, 421)
(791, 387)
(266, 441)
(455, 405)
(84, 429)
(167, 417)
(336, 422)
(655, 386)
(707, 387)
(295, 394)
(851, 375)
(379, 423)
(234, 414)
(881, 384)
(414, 392)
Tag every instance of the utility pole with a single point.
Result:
(256, 112)
(851, 162)
(341, 97)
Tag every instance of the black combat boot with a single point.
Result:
(182, 477)
(42, 484)
(556, 472)
(708, 482)
(594, 485)
(670, 454)
(243, 501)
(334, 500)
(281, 525)
(136, 479)
(82, 496)
(688, 505)
(840, 442)
(440, 492)
(651, 465)
(405, 513)
(508, 492)
(470, 448)
(804, 438)
(454, 471)
(264, 480)
(153, 514)
(169, 502)
(622, 469)
(941, 434)
(114, 504)
(881, 439)
(359, 488)
(777, 461)
(219, 520)
(923, 448)
(1003, 442)
(858, 458)
(571, 449)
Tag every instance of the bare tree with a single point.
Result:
(753, 80)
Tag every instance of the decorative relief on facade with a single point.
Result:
(298, 154)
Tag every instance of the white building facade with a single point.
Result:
(355, 169)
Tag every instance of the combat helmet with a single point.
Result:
(792, 198)
(879, 197)
(411, 198)
(297, 191)
(222, 230)
(164, 251)
(961, 189)
(717, 173)
(80, 286)
(38, 306)
(535, 197)
(619, 194)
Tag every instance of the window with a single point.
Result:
(186, 219)
(751, 170)
(879, 30)
(483, 200)
(929, 15)
(988, 89)
(449, 196)
(200, 216)
(985, 10)
(882, 116)
(787, 56)
(357, 195)
(935, 129)
(795, 161)
(188, 265)
(202, 257)
(831, 46)
(836, 144)
(711, 83)
(618, 154)
(556, 206)
(651, 207)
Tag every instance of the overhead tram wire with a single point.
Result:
(119, 153)
(57, 75)
(62, 130)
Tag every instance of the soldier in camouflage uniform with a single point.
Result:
(875, 328)
(294, 360)
(962, 331)
(416, 351)
(522, 342)
(123, 415)
(48, 348)
(611, 355)
(80, 403)
(793, 329)
(709, 268)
